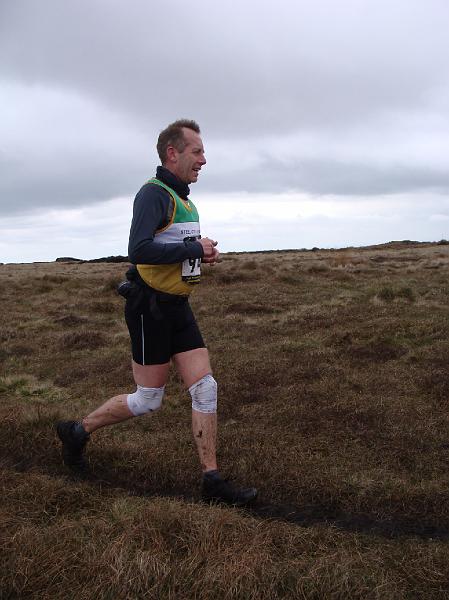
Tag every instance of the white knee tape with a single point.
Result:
(204, 395)
(145, 400)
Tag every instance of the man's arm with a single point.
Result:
(151, 207)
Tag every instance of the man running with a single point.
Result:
(167, 249)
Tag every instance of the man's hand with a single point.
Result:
(211, 254)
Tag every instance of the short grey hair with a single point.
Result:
(173, 135)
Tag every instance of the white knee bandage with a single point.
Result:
(204, 395)
(145, 400)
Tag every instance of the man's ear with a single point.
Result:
(172, 154)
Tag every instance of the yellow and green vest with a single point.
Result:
(184, 225)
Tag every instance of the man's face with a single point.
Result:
(186, 165)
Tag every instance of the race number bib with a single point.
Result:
(191, 267)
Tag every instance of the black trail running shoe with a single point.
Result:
(74, 439)
(216, 489)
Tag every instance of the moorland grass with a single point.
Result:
(333, 370)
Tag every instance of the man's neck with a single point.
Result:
(172, 180)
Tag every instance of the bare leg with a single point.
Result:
(192, 366)
(112, 411)
(204, 427)
(115, 410)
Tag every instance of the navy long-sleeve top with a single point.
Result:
(153, 207)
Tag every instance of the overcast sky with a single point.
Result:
(325, 123)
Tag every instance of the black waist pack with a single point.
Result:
(136, 291)
(133, 289)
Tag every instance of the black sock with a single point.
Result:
(78, 429)
(213, 475)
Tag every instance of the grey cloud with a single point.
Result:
(237, 67)
(81, 184)
(327, 176)
(248, 72)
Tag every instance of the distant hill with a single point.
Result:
(105, 259)
(394, 244)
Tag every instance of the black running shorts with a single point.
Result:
(160, 329)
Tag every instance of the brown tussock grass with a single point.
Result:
(333, 385)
